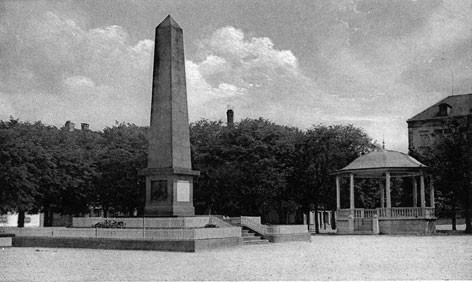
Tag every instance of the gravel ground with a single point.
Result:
(327, 257)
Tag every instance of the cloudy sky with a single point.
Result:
(373, 64)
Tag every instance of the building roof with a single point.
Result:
(378, 162)
(461, 105)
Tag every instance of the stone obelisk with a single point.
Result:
(169, 174)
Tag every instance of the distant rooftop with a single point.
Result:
(458, 105)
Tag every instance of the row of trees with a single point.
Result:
(43, 168)
(254, 167)
(450, 160)
(257, 167)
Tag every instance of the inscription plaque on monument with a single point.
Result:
(183, 191)
(158, 190)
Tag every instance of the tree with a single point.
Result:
(323, 150)
(451, 162)
(118, 184)
(24, 162)
(243, 166)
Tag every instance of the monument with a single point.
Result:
(169, 174)
(170, 223)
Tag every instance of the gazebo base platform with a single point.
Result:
(418, 221)
(364, 226)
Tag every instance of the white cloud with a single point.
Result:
(249, 73)
(57, 71)
(74, 82)
(55, 68)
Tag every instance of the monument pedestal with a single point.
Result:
(169, 192)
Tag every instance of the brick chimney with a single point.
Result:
(69, 126)
(84, 126)
(229, 117)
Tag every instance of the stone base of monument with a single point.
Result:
(181, 234)
(126, 244)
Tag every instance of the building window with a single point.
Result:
(444, 110)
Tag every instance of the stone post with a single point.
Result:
(375, 224)
(351, 223)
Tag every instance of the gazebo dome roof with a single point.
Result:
(381, 161)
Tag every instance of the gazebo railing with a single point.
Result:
(413, 212)
(370, 212)
(426, 212)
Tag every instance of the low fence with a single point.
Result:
(152, 234)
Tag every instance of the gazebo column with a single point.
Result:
(382, 194)
(351, 204)
(415, 192)
(338, 192)
(387, 186)
(431, 192)
(351, 192)
(422, 196)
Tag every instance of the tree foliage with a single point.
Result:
(43, 168)
(118, 184)
(252, 167)
(243, 166)
(450, 160)
(256, 167)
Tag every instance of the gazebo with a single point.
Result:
(384, 165)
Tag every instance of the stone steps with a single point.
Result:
(250, 238)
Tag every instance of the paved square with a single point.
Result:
(327, 257)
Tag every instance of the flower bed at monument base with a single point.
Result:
(148, 222)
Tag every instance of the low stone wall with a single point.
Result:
(148, 222)
(286, 229)
(6, 239)
(407, 226)
(277, 233)
(180, 240)
(151, 234)
(126, 244)
(279, 238)
(287, 233)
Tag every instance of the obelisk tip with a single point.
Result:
(169, 21)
